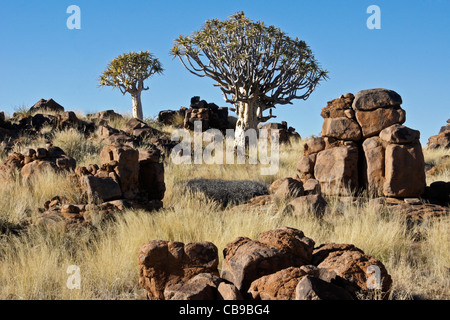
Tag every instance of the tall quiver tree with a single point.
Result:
(256, 66)
(128, 72)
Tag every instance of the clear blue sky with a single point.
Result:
(41, 58)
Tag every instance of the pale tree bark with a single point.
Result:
(137, 105)
(247, 119)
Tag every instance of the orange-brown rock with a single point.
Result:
(163, 264)
(353, 265)
(247, 260)
(404, 171)
(341, 128)
(372, 122)
(337, 169)
(373, 173)
(127, 168)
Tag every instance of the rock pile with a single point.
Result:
(124, 173)
(363, 145)
(281, 264)
(209, 114)
(126, 178)
(283, 132)
(35, 161)
(441, 140)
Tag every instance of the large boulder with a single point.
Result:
(341, 128)
(442, 140)
(372, 99)
(404, 171)
(282, 285)
(127, 167)
(101, 189)
(164, 264)
(372, 122)
(151, 174)
(246, 260)
(350, 263)
(373, 173)
(312, 288)
(47, 105)
(337, 169)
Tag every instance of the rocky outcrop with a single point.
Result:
(281, 130)
(35, 161)
(364, 146)
(281, 264)
(47, 105)
(441, 140)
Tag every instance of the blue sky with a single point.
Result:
(41, 58)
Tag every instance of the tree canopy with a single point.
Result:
(128, 71)
(250, 61)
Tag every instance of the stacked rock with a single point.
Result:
(125, 173)
(280, 264)
(210, 115)
(282, 130)
(34, 161)
(364, 146)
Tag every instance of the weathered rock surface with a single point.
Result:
(247, 260)
(164, 264)
(336, 169)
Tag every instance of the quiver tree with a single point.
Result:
(128, 72)
(256, 66)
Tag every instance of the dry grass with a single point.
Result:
(34, 265)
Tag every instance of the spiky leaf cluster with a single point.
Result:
(250, 61)
(128, 71)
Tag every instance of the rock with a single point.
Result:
(306, 163)
(228, 291)
(106, 115)
(312, 288)
(246, 260)
(68, 119)
(420, 212)
(336, 169)
(134, 124)
(151, 174)
(412, 201)
(281, 130)
(371, 99)
(277, 286)
(47, 105)
(281, 285)
(438, 191)
(404, 171)
(351, 264)
(101, 189)
(312, 186)
(163, 264)
(313, 145)
(336, 108)
(373, 173)
(127, 169)
(341, 128)
(399, 134)
(372, 122)
(289, 188)
(34, 168)
(314, 203)
(442, 140)
(189, 291)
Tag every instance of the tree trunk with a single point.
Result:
(247, 119)
(137, 105)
